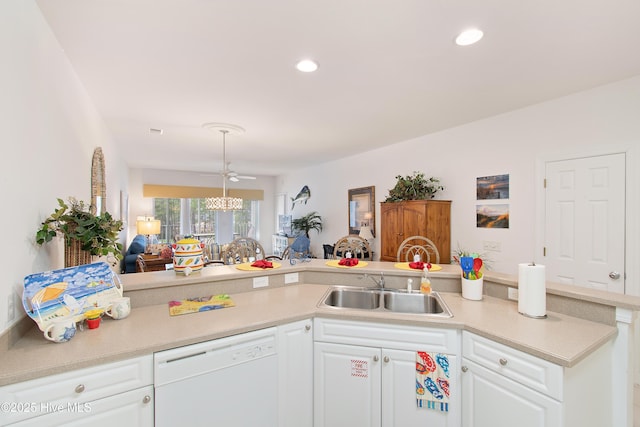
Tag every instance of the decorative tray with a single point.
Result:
(69, 292)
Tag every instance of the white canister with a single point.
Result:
(472, 289)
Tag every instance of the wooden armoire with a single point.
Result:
(427, 218)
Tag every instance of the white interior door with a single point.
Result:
(585, 221)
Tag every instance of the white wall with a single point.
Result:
(49, 131)
(594, 121)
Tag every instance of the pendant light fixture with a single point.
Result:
(224, 203)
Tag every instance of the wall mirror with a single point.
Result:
(362, 209)
(98, 183)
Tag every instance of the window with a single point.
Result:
(190, 217)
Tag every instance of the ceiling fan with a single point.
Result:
(225, 129)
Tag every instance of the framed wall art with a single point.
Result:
(492, 216)
(361, 209)
(492, 187)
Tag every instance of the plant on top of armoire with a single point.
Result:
(85, 234)
(414, 187)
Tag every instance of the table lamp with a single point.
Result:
(148, 226)
(365, 233)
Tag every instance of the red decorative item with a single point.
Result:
(93, 323)
(262, 264)
(349, 262)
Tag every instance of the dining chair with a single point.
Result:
(355, 244)
(242, 249)
(418, 245)
(141, 264)
(328, 251)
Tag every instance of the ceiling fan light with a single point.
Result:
(223, 203)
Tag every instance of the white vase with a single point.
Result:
(472, 289)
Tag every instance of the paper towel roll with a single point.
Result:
(532, 290)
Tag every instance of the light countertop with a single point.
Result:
(561, 339)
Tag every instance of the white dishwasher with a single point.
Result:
(230, 381)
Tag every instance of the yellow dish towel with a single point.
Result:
(432, 381)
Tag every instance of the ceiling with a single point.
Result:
(388, 70)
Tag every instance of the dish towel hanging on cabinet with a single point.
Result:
(432, 381)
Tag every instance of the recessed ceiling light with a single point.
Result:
(468, 37)
(307, 66)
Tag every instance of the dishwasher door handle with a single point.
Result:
(186, 356)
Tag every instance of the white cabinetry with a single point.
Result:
(365, 374)
(119, 393)
(504, 387)
(295, 374)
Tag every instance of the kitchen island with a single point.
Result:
(579, 322)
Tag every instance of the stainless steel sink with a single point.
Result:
(346, 297)
(413, 303)
(351, 298)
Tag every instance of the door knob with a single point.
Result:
(614, 275)
(376, 358)
(464, 368)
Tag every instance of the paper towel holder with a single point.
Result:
(543, 316)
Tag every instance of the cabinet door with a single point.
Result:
(295, 374)
(399, 406)
(390, 231)
(493, 400)
(414, 220)
(131, 409)
(346, 385)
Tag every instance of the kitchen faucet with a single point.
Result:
(379, 282)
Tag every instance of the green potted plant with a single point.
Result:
(94, 234)
(414, 187)
(308, 222)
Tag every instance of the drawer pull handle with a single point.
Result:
(386, 359)
(464, 369)
(376, 358)
(503, 362)
(79, 388)
(146, 399)
(307, 327)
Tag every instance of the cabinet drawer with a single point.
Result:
(400, 337)
(528, 370)
(40, 396)
(131, 409)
